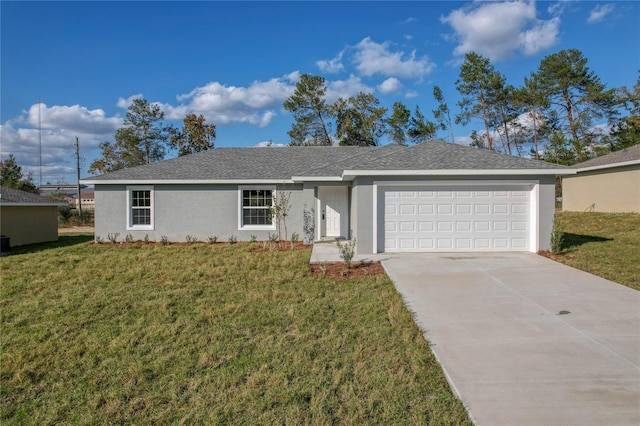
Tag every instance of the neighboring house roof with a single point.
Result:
(15, 197)
(624, 157)
(327, 163)
(85, 195)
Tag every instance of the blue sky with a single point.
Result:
(236, 62)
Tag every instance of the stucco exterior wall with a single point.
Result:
(613, 190)
(200, 211)
(207, 210)
(362, 208)
(29, 224)
(546, 210)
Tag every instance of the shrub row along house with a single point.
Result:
(433, 196)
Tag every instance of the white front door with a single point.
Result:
(334, 211)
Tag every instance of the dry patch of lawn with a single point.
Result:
(207, 334)
(604, 244)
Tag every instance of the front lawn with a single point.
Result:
(207, 334)
(605, 244)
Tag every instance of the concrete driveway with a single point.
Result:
(525, 340)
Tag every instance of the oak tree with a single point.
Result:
(359, 120)
(196, 135)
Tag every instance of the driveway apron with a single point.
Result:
(524, 340)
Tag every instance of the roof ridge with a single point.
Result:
(341, 161)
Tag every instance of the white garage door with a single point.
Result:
(460, 218)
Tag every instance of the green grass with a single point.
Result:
(207, 334)
(604, 244)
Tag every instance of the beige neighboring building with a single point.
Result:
(88, 201)
(27, 218)
(610, 183)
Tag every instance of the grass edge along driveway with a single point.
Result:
(604, 244)
(207, 334)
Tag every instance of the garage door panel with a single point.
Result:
(426, 226)
(449, 219)
(426, 243)
(407, 243)
(519, 243)
(445, 243)
(445, 209)
(425, 209)
(500, 209)
(519, 226)
(482, 243)
(463, 243)
(407, 226)
(407, 209)
(462, 209)
(519, 208)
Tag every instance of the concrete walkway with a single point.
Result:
(525, 340)
(327, 251)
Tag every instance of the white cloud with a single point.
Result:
(331, 66)
(270, 144)
(293, 77)
(411, 94)
(126, 103)
(599, 12)
(390, 85)
(225, 105)
(377, 58)
(346, 88)
(60, 125)
(58, 150)
(498, 30)
(74, 118)
(541, 37)
(559, 7)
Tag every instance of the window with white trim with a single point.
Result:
(140, 207)
(255, 208)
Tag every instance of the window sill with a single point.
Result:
(140, 228)
(257, 228)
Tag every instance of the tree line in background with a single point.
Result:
(11, 176)
(144, 137)
(553, 113)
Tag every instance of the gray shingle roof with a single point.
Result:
(284, 163)
(439, 155)
(9, 196)
(631, 153)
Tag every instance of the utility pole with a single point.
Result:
(78, 168)
(40, 140)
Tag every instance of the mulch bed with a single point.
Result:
(337, 270)
(262, 247)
